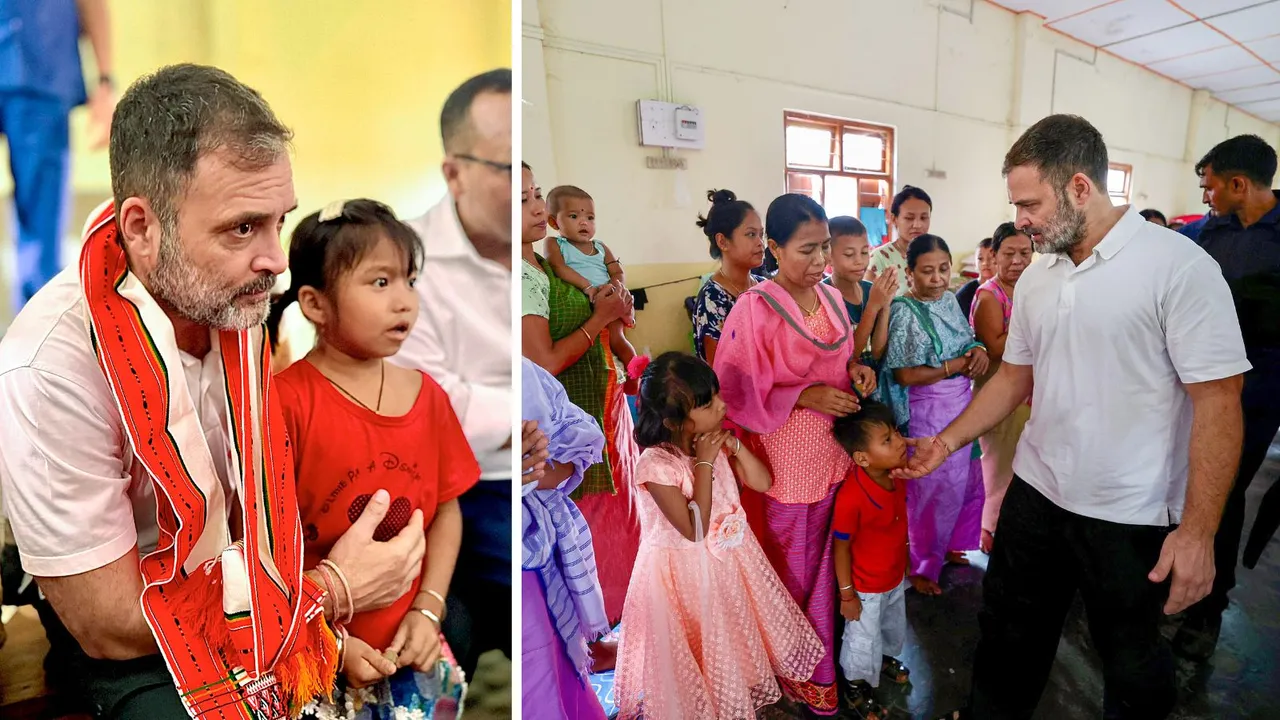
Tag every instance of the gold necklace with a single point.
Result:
(724, 281)
(381, 383)
(816, 304)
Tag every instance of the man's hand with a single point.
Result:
(1188, 557)
(102, 105)
(364, 665)
(929, 454)
(379, 573)
(417, 643)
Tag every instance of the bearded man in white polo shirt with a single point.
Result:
(1127, 337)
(463, 341)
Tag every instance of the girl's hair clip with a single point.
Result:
(332, 211)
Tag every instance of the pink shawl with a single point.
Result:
(766, 356)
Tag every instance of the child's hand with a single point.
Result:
(883, 290)
(364, 665)
(706, 447)
(851, 609)
(591, 293)
(417, 642)
(864, 379)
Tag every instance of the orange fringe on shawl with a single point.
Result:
(306, 672)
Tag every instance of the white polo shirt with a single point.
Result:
(463, 335)
(75, 495)
(1111, 343)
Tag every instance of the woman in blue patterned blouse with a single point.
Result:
(736, 235)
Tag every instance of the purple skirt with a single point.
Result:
(551, 688)
(797, 540)
(944, 508)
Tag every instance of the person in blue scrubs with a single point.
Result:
(40, 83)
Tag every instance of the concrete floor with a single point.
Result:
(489, 693)
(1240, 682)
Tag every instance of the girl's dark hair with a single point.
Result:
(853, 431)
(320, 253)
(788, 212)
(846, 225)
(671, 387)
(925, 244)
(526, 166)
(726, 214)
(1005, 231)
(907, 193)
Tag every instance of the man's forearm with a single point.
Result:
(96, 24)
(100, 609)
(999, 397)
(1217, 437)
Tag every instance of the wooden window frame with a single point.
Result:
(839, 126)
(1127, 191)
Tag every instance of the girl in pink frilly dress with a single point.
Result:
(707, 626)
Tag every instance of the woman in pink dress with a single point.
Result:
(992, 309)
(707, 624)
(785, 360)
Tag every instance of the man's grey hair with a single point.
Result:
(167, 121)
(1060, 146)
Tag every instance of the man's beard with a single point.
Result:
(201, 297)
(1062, 232)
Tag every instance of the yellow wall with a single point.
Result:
(663, 324)
(360, 83)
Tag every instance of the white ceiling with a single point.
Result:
(1228, 47)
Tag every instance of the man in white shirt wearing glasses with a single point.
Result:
(463, 341)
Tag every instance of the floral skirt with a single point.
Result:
(437, 695)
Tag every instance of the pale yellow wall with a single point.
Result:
(655, 331)
(360, 83)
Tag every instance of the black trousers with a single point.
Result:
(479, 616)
(1261, 402)
(1041, 557)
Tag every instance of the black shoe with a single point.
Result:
(861, 699)
(1198, 636)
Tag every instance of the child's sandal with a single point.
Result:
(895, 671)
(863, 702)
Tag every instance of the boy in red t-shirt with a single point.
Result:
(870, 528)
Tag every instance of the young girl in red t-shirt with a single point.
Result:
(360, 425)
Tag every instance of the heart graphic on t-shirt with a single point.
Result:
(397, 516)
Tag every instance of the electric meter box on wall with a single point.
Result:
(669, 125)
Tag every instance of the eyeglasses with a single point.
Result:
(500, 167)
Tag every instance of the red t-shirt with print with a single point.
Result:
(874, 520)
(343, 453)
